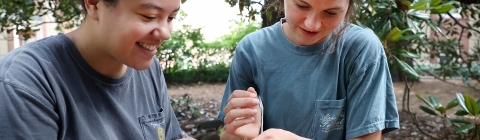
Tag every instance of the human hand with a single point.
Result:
(278, 134)
(242, 114)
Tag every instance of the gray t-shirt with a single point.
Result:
(313, 92)
(48, 91)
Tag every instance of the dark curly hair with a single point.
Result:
(107, 2)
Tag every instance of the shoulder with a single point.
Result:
(259, 38)
(28, 62)
(362, 41)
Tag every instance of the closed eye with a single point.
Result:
(301, 6)
(331, 13)
(150, 17)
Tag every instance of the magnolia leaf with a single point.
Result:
(459, 121)
(471, 105)
(461, 113)
(420, 5)
(465, 127)
(428, 111)
(461, 101)
(452, 104)
(407, 69)
(442, 9)
(434, 3)
(424, 100)
(434, 100)
(394, 35)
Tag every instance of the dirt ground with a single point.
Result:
(444, 90)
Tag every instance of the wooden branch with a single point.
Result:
(461, 25)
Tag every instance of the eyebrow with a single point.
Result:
(153, 6)
(334, 8)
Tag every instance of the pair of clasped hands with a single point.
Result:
(243, 118)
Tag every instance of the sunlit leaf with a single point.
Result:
(434, 3)
(424, 100)
(442, 9)
(407, 69)
(434, 100)
(394, 35)
(471, 105)
(461, 102)
(420, 5)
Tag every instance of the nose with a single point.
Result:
(312, 22)
(162, 31)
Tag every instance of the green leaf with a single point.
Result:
(471, 105)
(420, 5)
(434, 3)
(412, 37)
(409, 55)
(428, 110)
(461, 101)
(435, 101)
(459, 121)
(452, 104)
(424, 100)
(465, 127)
(407, 69)
(442, 8)
(394, 35)
(461, 113)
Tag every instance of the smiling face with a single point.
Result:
(311, 21)
(130, 31)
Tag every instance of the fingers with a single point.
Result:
(241, 99)
(252, 90)
(236, 114)
(243, 94)
(231, 127)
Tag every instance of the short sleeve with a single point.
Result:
(371, 104)
(25, 115)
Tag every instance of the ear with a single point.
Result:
(92, 8)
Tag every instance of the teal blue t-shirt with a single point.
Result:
(313, 91)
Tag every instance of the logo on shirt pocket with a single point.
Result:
(330, 115)
(160, 133)
(153, 126)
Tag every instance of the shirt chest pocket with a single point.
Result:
(153, 126)
(329, 119)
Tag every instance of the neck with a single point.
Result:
(93, 51)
